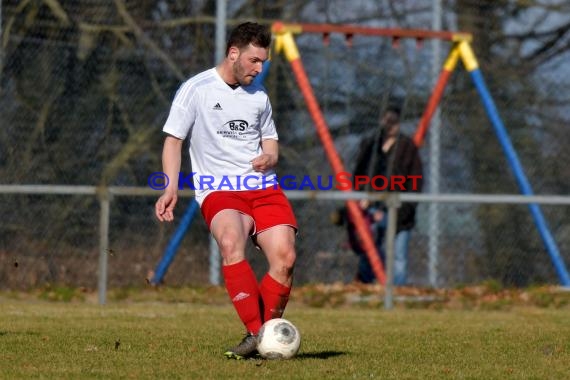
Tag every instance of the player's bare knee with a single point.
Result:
(291, 258)
(288, 258)
(228, 244)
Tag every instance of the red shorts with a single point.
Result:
(267, 207)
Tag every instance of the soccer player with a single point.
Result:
(228, 121)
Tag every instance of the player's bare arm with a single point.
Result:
(268, 159)
(171, 157)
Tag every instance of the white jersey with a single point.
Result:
(225, 128)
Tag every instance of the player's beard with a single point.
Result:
(239, 73)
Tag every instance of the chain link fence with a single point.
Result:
(86, 87)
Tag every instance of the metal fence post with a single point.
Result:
(105, 204)
(393, 202)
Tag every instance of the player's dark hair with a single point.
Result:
(249, 33)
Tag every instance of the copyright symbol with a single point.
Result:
(158, 181)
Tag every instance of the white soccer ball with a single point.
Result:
(278, 339)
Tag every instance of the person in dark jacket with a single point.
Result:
(389, 153)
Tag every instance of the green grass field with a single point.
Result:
(185, 340)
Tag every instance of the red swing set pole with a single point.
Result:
(286, 42)
(436, 95)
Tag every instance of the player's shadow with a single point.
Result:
(319, 355)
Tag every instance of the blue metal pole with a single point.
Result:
(174, 243)
(260, 78)
(522, 181)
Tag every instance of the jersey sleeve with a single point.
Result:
(267, 125)
(182, 112)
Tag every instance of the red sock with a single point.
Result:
(241, 285)
(274, 297)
